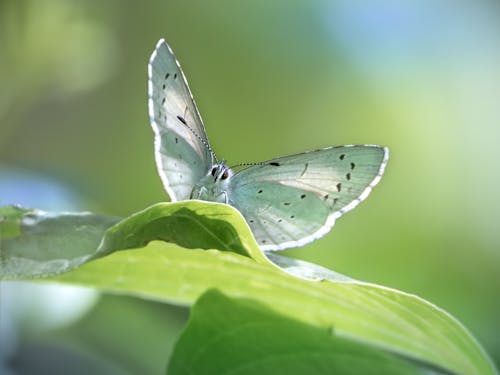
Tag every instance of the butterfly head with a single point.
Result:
(220, 172)
(213, 187)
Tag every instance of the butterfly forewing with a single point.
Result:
(182, 150)
(295, 199)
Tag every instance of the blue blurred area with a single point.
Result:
(35, 190)
(273, 78)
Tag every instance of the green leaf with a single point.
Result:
(34, 243)
(191, 225)
(379, 316)
(240, 336)
(211, 247)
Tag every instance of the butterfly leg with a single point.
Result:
(199, 192)
(224, 194)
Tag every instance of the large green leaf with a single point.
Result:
(210, 246)
(383, 317)
(240, 337)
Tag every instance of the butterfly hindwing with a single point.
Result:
(292, 200)
(182, 151)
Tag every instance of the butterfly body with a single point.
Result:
(214, 186)
(287, 202)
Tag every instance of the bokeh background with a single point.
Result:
(270, 78)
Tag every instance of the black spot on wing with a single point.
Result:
(305, 169)
(175, 76)
(352, 165)
(302, 196)
(325, 197)
(276, 164)
(181, 119)
(166, 76)
(342, 156)
(339, 187)
(348, 176)
(260, 191)
(286, 203)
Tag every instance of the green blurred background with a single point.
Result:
(270, 78)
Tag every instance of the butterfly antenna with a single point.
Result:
(247, 164)
(205, 143)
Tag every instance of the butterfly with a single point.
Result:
(287, 202)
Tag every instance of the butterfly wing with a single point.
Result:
(182, 152)
(293, 200)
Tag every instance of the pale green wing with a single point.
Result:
(293, 200)
(182, 151)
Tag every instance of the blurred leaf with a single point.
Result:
(10, 221)
(305, 270)
(40, 357)
(35, 243)
(179, 272)
(240, 336)
(112, 328)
